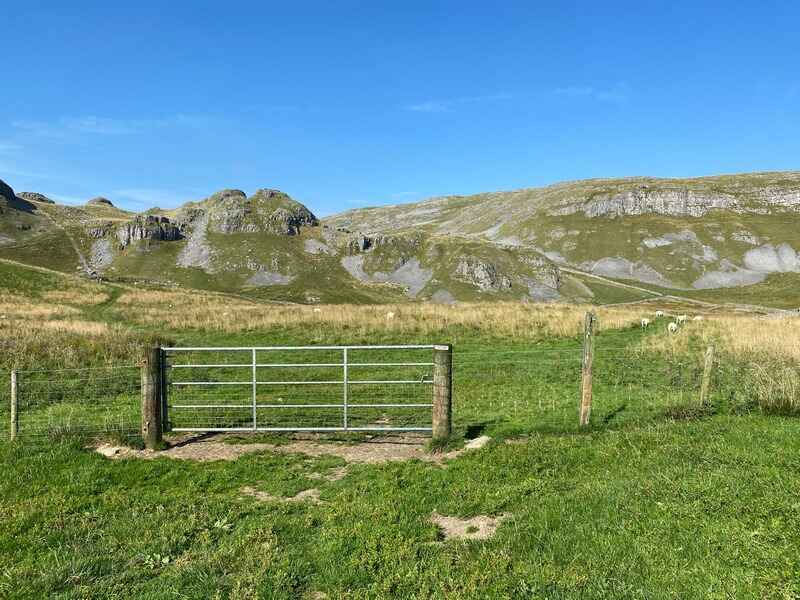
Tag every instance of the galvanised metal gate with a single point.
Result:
(298, 388)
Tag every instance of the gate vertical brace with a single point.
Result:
(345, 380)
(165, 423)
(255, 385)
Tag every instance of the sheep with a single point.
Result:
(645, 323)
(659, 314)
(697, 318)
(389, 316)
(672, 327)
(681, 319)
(317, 310)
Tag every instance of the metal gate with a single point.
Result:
(298, 388)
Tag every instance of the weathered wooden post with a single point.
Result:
(152, 425)
(442, 391)
(708, 367)
(14, 405)
(586, 371)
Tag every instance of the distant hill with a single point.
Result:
(572, 241)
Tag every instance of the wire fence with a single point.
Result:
(55, 403)
(515, 389)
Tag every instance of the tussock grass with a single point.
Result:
(179, 310)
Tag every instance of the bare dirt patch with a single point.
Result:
(480, 527)
(380, 449)
(311, 495)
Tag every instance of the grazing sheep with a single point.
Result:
(659, 314)
(645, 323)
(681, 319)
(317, 310)
(672, 327)
(697, 318)
(390, 315)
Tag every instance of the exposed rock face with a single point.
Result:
(482, 275)
(772, 259)
(410, 274)
(642, 201)
(35, 197)
(267, 211)
(149, 227)
(197, 252)
(624, 269)
(100, 201)
(6, 192)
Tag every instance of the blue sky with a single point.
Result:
(345, 104)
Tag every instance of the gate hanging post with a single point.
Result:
(152, 419)
(442, 391)
(14, 406)
(707, 368)
(586, 370)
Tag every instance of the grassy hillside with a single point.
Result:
(650, 501)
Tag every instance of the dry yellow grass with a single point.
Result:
(82, 296)
(179, 311)
(746, 337)
(21, 307)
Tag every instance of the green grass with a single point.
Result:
(662, 512)
(659, 498)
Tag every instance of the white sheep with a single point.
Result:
(681, 319)
(697, 318)
(389, 316)
(317, 310)
(645, 323)
(659, 314)
(672, 327)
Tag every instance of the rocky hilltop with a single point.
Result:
(536, 244)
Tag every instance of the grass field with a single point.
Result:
(659, 498)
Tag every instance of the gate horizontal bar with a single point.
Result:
(398, 382)
(319, 429)
(268, 348)
(276, 365)
(399, 405)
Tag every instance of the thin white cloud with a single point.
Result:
(149, 197)
(617, 94)
(402, 195)
(449, 105)
(74, 200)
(7, 147)
(72, 126)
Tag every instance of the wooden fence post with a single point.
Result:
(14, 405)
(442, 391)
(708, 367)
(152, 425)
(586, 371)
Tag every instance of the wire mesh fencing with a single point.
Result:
(57, 403)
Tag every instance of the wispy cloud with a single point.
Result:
(148, 197)
(7, 147)
(616, 94)
(451, 104)
(71, 126)
(403, 195)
